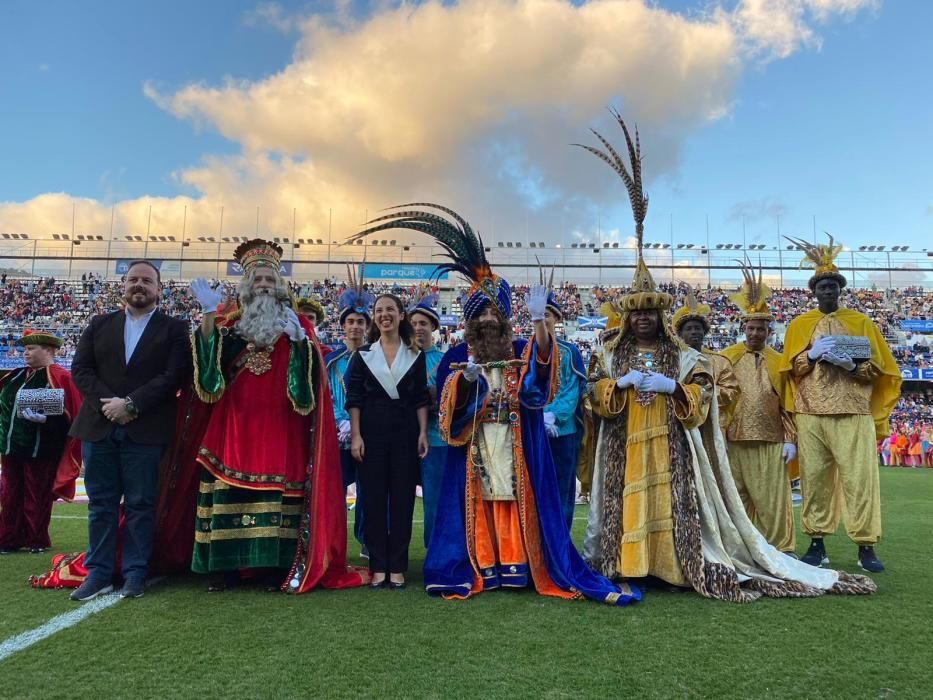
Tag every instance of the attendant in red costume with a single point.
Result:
(269, 459)
(40, 462)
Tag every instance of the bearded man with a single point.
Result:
(268, 457)
(499, 521)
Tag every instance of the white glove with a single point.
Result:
(657, 383)
(844, 361)
(33, 416)
(820, 347)
(788, 452)
(207, 297)
(343, 431)
(471, 371)
(550, 424)
(633, 378)
(291, 327)
(536, 301)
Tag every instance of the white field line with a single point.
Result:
(61, 622)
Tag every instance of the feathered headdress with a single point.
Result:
(644, 293)
(355, 299)
(257, 251)
(424, 303)
(464, 250)
(692, 310)
(752, 296)
(821, 257)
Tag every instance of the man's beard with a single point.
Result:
(131, 299)
(260, 322)
(489, 341)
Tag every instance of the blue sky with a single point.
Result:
(841, 132)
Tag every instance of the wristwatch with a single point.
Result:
(131, 407)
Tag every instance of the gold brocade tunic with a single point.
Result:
(727, 386)
(494, 444)
(758, 413)
(824, 388)
(647, 541)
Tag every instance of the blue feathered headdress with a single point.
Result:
(354, 299)
(464, 248)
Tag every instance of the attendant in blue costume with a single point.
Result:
(563, 417)
(499, 521)
(425, 321)
(355, 303)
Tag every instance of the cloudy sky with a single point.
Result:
(801, 114)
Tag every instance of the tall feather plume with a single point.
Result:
(462, 245)
(817, 254)
(752, 296)
(633, 180)
(691, 300)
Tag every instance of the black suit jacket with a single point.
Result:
(161, 363)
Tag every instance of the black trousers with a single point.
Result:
(388, 475)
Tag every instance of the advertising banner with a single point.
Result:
(400, 271)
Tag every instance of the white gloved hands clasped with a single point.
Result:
(840, 360)
(208, 297)
(820, 347)
(34, 416)
(471, 371)
(550, 424)
(656, 383)
(632, 378)
(788, 452)
(343, 431)
(291, 326)
(536, 301)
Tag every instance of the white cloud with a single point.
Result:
(472, 104)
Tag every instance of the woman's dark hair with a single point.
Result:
(405, 330)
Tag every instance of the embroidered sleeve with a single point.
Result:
(698, 389)
(209, 382)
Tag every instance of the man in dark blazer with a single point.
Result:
(128, 367)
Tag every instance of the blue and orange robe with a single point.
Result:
(482, 541)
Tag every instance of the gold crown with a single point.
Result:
(258, 252)
(692, 310)
(644, 294)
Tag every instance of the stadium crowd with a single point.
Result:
(64, 307)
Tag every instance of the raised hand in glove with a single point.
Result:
(207, 296)
(550, 424)
(536, 301)
(788, 452)
(840, 360)
(632, 378)
(471, 371)
(657, 383)
(34, 416)
(343, 431)
(291, 327)
(820, 347)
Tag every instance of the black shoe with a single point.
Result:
(272, 583)
(90, 590)
(397, 585)
(221, 582)
(868, 560)
(816, 554)
(375, 585)
(9, 550)
(37, 550)
(133, 589)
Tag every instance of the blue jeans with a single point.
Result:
(117, 467)
(432, 476)
(348, 467)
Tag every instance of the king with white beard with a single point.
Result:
(261, 371)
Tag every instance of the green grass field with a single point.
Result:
(179, 641)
